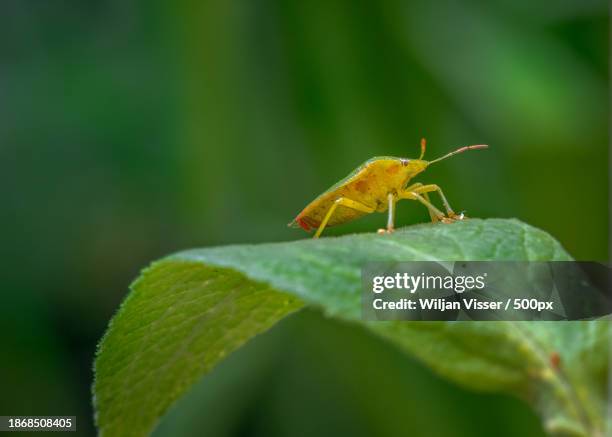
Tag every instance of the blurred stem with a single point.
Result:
(569, 414)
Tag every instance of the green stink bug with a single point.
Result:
(375, 186)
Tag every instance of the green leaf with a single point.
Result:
(188, 311)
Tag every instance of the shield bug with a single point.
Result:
(376, 186)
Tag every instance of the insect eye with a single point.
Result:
(404, 162)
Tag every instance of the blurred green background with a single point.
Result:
(132, 129)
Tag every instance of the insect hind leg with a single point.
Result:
(342, 201)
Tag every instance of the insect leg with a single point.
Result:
(433, 187)
(391, 217)
(415, 196)
(432, 214)
(413, 187)
(344, 202)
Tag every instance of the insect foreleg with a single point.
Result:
(432, 215)
(415, 196)
(344, 202)
(433, 187)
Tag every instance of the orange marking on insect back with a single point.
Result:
(362, 185)
(394, 169)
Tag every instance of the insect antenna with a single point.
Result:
(423, 143)
(461, 150)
